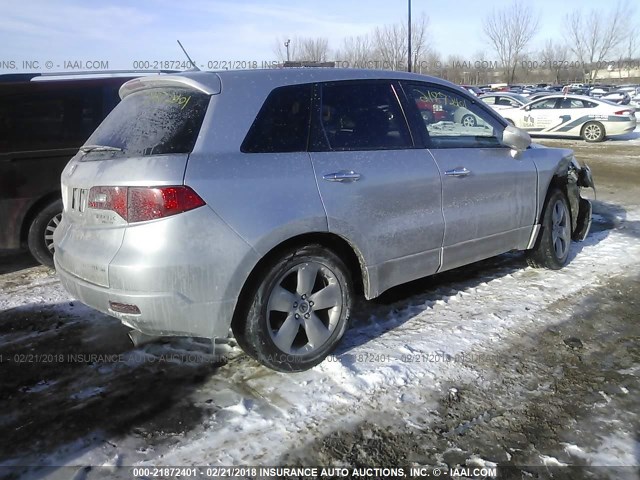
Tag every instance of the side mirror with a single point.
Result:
(526, 108)
(515, 138)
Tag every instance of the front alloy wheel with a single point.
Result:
(560, 231)
(554, 240)
(299, 310)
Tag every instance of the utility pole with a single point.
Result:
(286, 44)
(409, 40)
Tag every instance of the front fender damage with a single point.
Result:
(579, 177)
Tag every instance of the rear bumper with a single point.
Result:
(184, 273)
(161, 313)
(621, 128)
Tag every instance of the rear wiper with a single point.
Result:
(99, 148)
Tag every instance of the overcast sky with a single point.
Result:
(122, 32)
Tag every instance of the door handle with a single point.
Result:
(458, 172)
(344, 176)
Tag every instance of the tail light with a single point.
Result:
(138, 204)
(623, 112)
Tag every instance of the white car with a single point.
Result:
(504, 101)
(573, 116)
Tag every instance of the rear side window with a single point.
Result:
(282, 125)
(155, 121)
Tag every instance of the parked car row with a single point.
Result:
(564, 115)
(622, 95)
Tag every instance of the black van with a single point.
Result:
(44, 119)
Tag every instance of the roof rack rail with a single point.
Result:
(25, 77)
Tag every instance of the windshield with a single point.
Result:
(151, 122)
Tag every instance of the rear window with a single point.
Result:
(154, 121)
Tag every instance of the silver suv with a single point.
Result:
(261, 200)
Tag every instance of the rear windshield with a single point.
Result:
(153, 122)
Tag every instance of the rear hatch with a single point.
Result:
(128, 163)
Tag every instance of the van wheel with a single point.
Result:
(299, 310)
(40, 238)
(554, 240)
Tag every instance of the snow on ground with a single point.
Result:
(397, 357)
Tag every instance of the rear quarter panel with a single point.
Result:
(266, 198)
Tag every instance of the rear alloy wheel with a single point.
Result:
(593, 132)
(299, 311)
(554, 240)
(40, 238)
(468, 120)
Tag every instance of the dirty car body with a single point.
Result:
(260, 200)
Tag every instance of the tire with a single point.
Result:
(593, 132)
(468, 120)
(40, 237)
(554, 240)
(281, 320)
(428, 117)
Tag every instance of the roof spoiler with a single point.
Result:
(213, 85)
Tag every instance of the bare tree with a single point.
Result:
(356, 52)
(594, 36)
(314, 49)
(391, 43)
(555, 58)
(419, 39)
(632, 45)
(302, 49)
(391, 46)
(431, 62)
(509, 31)
(483, 70)
(455, 69)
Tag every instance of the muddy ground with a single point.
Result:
(541, 394)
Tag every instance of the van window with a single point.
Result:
(49, 120)
(282, 125)
(154, 121)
